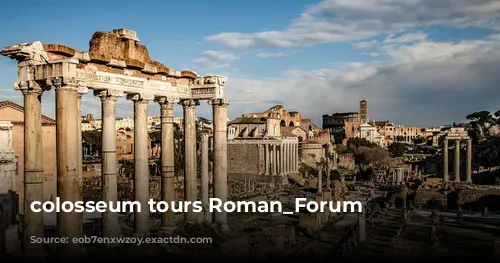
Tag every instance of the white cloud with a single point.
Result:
(371, 54)
(406, 38)
(494, 37)
(347, 20)
(434, 50)
(462, 79)
(214, 59)
(365, 44)
(270, 55)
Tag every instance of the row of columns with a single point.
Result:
(69, 160)
(280, 158)
(456, 163)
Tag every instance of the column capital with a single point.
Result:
(218, 102)
(205, 137)
(82, 89)
(167, 100)
(108, 93)
(190, 103)
(27, 87)
(63, 82)
(140, 97)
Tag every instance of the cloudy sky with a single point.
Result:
(417, 62)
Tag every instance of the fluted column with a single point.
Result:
(287, 155)
(141, 162)
(446, 177)
(282, 159)
(81, 90)
(274, 159)
(168, 224)
(328, 171)
(266, 153)
(296, 157)
(456, 163)
(69, 224)
(33, 167)
(220, 157)
(204, 177)
(468, 168)
(190, 181)
(109, 169)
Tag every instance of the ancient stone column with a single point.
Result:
(335, 156)
(320, 179)
(328, 172)
(69, 224)
(168, 224)
(81, 90)
(290, 165)
(141, 162)
(33, 167)
(282, 159)
(445, 161)
(468, 168)
(220, 157)
(190, 164)
(275, 159)
(266, 153)
(456, 163)
(296, 152)
(287, 158)
(110, 224)
(204, 177)
(362, 225)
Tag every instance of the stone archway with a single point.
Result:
(283, 123)
(291, 124)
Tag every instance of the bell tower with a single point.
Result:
(363, 111)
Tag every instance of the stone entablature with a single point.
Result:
(115, 66)
(115, 62)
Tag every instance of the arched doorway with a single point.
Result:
(291, 124)
(283, 123)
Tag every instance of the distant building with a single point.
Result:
(258, 150)
(370, 133)
(345, 125)
(14, 113)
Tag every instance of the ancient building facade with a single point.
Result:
(370, 133)
(115, 66)
(258, 149)
(14, 113)
(345, 125)
(8, 159)
(288, 119)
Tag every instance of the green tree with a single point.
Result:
(480, 121)
(155, 136)
(375, 156)
(357, 142)
(397, 149)
(419, 140)
(92, 141)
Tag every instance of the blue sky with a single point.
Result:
(417, 62)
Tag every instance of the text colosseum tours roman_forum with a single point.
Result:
(115, 66)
